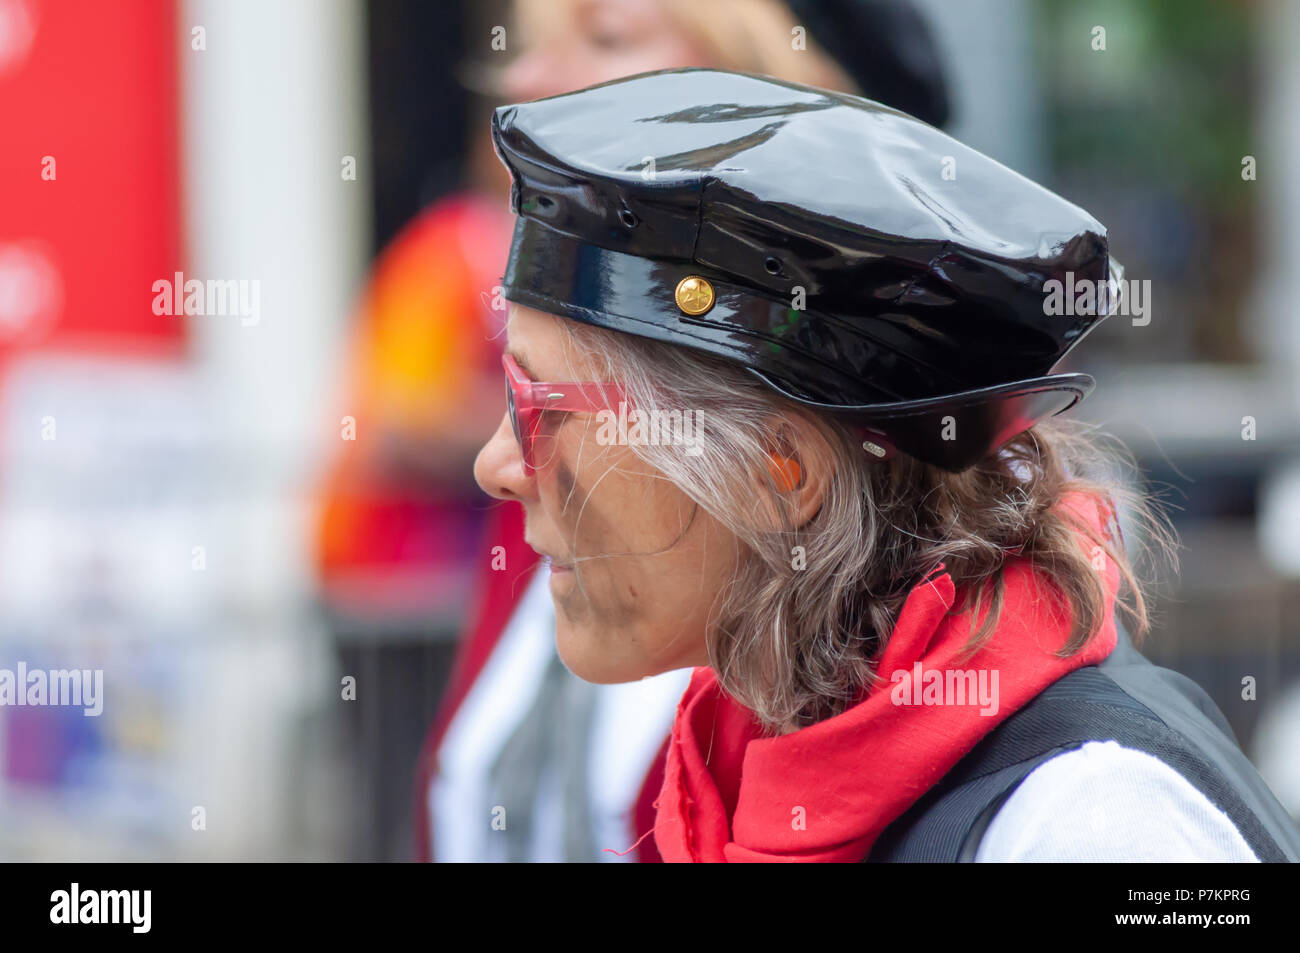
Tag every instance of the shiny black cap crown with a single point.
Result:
(856, 259)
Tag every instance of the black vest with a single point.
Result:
(1125, 699)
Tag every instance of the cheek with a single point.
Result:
(649, 562)
(607, 608)
(640, 607)
(587, 489)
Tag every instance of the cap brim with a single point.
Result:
(956, 431)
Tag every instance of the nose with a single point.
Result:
(499, 466)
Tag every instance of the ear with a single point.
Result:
(798, 472)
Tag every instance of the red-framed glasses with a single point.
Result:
(528, 400)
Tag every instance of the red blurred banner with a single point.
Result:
(89, 182)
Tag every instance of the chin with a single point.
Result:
(582, 655)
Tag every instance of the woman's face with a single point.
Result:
(635, 564)
(584, 42)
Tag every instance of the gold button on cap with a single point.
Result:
(694, 295)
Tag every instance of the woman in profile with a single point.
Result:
(780, 410)
(513, 719)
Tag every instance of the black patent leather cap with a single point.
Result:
(861, 262)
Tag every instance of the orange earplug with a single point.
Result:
(786, 472)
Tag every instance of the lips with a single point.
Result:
(556, 564)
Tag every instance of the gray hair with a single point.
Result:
(797, 633)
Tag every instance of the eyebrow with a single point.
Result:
(522, 361)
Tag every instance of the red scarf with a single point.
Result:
(826, 792)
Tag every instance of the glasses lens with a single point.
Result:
(514, 414)
(514, 419)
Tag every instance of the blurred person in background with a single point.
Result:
(575, 766)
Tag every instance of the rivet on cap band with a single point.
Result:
(694, 295)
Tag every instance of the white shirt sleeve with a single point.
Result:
(1106, 803)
